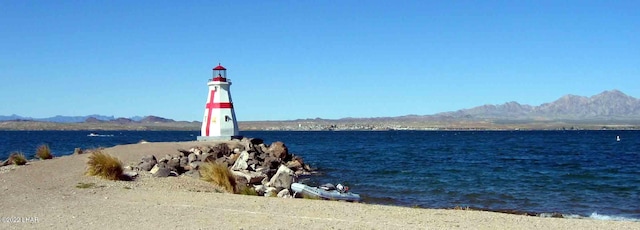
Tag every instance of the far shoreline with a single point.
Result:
(331, 125)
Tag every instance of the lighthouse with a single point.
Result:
(219, 121)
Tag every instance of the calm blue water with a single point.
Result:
(585, 173)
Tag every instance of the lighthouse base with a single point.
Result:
(217, 138)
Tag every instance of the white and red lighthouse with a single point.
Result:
(219, 121)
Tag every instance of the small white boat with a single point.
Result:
(325, 193)
(99, 135)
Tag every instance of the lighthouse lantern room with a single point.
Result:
(219, 122)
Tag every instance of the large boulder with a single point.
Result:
(262, 149)
(240, 180)
(271, 162)
(194, 165)
(256, 141)
(204, 149)
(251, 177)
(245, 143)
(184, 161)
(253, 160)
(192, 157)
(284, 193)
(294, 165)
(195, 150)
(278, 150)
(184, 153)
(149, 158)
(163, 172)
(220, 150)
(237, 151)
(260, 189)
(147, 162)
(253, 145)
(271, 192)
(174, 164)
(223, 161)
(283, 178)
(207, 157)
(241, 162)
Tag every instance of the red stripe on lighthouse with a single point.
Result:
(209, 107)
(212, 105)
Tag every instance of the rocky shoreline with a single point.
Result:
(267, 169)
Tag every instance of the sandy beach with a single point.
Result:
(46, 194)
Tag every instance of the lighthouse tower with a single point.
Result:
(219, 121)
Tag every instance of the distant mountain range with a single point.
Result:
(607, 108)
(608, 105)
(78, 119)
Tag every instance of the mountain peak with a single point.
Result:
(155, 119)
(610, 104)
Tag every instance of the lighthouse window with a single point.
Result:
(227, 118)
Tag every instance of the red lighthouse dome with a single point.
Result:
(219, 73)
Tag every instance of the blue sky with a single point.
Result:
(308, 59)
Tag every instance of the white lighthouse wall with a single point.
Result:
(223, 123)
(234, 122)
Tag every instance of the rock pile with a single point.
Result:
(269, 169)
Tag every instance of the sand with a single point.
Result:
(44, 194)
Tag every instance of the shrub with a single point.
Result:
(105, 166)
(246, 190)
(17, 158)
(219, 175)
(43, 152)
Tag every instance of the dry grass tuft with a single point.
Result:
(246, 190)
(105, 166)
(17, 158)
(219, 175)
(43, 152)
